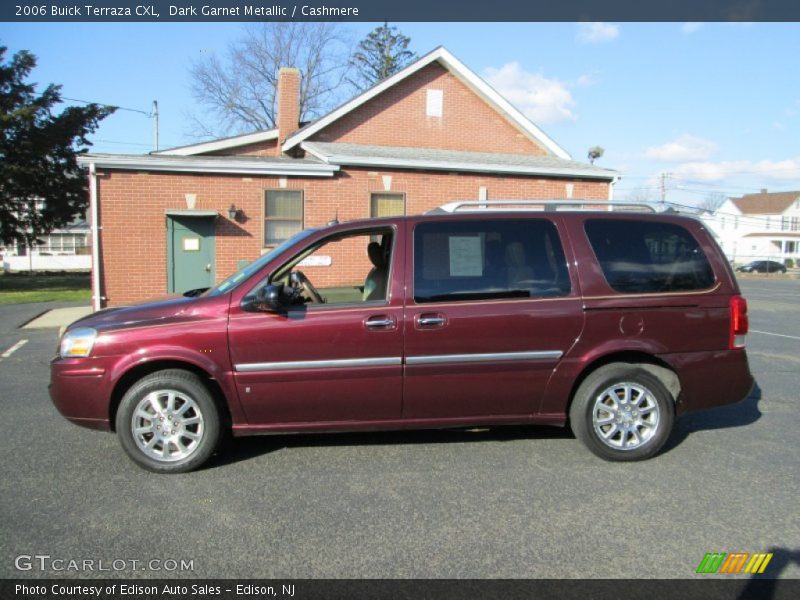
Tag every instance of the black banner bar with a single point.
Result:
(403, 10)
(710, 588)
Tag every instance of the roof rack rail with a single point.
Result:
(550, 205)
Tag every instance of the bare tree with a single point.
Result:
(237, 91)
(712, 201)
(640, 195)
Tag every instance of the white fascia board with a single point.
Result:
(198, 165)
(224, 144)
(791, 208)
(430, 165)
(460, 70)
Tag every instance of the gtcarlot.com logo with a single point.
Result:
(45, 562)
(734, 563)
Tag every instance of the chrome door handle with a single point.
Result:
(431, 321)
(208, 267)
(379, 323)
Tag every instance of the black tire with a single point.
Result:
(617, 430)
(191, 413)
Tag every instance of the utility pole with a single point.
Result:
(664, 177)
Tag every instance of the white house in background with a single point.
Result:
(64, 249)
(758, 226)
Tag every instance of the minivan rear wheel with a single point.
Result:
(168, 422)
(622, 412)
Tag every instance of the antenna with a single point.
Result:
(154, 115)
(335, 220)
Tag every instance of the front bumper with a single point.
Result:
(80, 389)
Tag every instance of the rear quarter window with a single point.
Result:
(648, 256)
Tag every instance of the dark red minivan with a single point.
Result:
(613, 320)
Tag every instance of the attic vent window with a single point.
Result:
(434, 103)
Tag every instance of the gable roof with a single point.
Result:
(457, 68)
(221, 144)
(441, 55)
(764, 203)
(360, 155)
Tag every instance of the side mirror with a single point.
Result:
(269, 298)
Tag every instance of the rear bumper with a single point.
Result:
(80, 390)
(710, 379)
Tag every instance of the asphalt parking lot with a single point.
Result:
(518, 502)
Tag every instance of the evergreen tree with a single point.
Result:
(381, 54)
(41, 185)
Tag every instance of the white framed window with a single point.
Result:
(387, 204)
(283, 215)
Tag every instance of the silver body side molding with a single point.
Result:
(390, 361)
(488, 357)
(319, 364)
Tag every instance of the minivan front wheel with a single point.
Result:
(622, 412)
(167, 422)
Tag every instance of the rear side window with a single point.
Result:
(647, 256)
(482, 260)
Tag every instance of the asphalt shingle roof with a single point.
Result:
(765, 203)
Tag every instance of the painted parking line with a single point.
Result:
(13, 348)
(791, 337)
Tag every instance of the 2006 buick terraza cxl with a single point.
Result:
(613, 321)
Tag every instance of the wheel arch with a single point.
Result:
(648, 362)
(140, 370)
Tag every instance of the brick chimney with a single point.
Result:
(288, 118)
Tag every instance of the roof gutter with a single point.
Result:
(206, 165)
(428, 165)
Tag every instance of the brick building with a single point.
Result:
(434, 132)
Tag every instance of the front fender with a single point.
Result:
(173, 356)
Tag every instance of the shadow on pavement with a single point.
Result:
(245, 448)
(723, 417)
(767, 584)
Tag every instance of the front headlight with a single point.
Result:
(78, 342)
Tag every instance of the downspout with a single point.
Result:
(611, 183)
(96, 299)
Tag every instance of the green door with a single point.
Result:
(190, 253)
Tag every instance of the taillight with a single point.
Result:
(739, 322)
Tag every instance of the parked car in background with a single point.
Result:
(763, 266)
(614, 321)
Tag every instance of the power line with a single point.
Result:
(153, 114)
(121, 143)
(136, 110)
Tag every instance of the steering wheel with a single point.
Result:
(299, 279)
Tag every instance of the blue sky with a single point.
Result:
(715, 105)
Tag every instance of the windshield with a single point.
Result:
(244, 273)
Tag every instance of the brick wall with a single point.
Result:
(397, 117)
(132, 207)
(268, 148)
